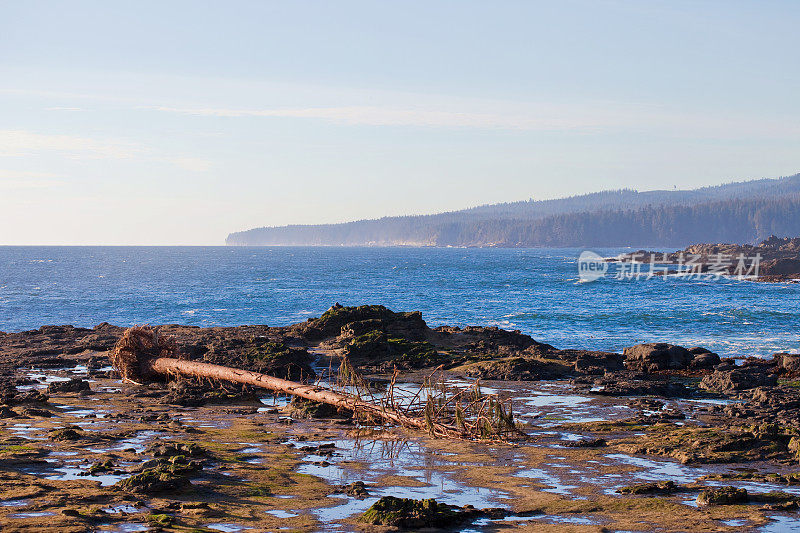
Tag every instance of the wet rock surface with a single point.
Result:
(618, 440)
(73, 385)
(739, 379)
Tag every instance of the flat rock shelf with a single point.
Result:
(659, 437)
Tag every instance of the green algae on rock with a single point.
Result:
(302, 409)
(409, 513)
(167, 475)
(660, 487)
(67, 433)
(723, 496)
(712, 445)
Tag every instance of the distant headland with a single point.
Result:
(739, 213)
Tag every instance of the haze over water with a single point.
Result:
(534, 290)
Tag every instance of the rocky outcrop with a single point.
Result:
(340, 320)
(518, 369)
(376, 350)
(653, 356)
(737, 379)
(408, 514)
(703, 358)
(487, 340)
(779, 258)
(631, 384)
(721, 444)
(722, 496)
(789, 362)
(54, 346)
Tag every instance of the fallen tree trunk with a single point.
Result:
(142, 354)
(171, 366)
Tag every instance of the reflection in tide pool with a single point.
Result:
(436, 476)
(781, 524)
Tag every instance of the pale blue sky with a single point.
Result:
(178, 122)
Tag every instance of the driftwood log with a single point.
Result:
(142, 355)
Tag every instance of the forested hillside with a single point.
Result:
(737, 213)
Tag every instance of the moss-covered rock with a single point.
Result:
(408, 513)
(173, 449)
(357, 489)
(354, 321)
(160, 519)
(193, 393)
(66, 434)
(660, 487)
(370, 345)
(412, 353)
(101, 467)
(768, 477)
(257, 352)
(278, 359)
(171, 474)
(302, 408)
(518, 368)
(723, 496)
(378, 350)
(711, 445)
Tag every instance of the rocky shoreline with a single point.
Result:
(779, 259)
(175, 452)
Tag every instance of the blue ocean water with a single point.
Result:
(534, 290)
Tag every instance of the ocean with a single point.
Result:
(534, 290)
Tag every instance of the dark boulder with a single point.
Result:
(654, 356)
(596, 363)
(195, 393)
(373, 344)
(356, 489)
(619, 384)
(703, 358)
(73, 385)
(585, 443)
(167, 476)
(338, 318)
(68, 433)
(174, 449)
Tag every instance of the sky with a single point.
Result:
(178, 122)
